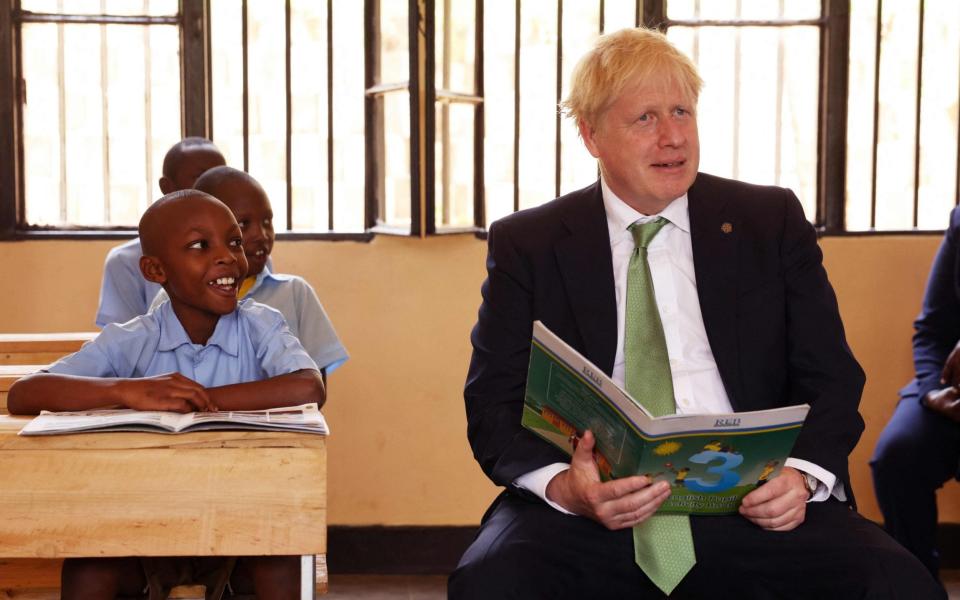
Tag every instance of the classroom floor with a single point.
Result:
(434, 587)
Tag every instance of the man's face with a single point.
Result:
(251, 207)
(647, 144)
(203, 262)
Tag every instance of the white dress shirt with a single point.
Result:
(697, 386)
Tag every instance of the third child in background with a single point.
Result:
(124, 293)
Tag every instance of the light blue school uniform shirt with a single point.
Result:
(124, 293)
(250, 344)
(307, 319)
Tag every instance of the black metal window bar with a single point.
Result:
(653, 13)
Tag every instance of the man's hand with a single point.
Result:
(172, 392)
(780, 504)
(616, 504)
(944, 402)
(951, 369)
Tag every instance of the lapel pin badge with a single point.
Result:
(726, 228)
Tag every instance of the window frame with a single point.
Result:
(193, 20)
(10, 123)
(834, 26)
(421, 27)
(832, 112)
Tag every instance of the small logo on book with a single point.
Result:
(593, 377)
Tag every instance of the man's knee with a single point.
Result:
(490, 569)
(514, 556)
(907, 459)
(869, 557)
(895, 573)
(912, 443)
(897, 446)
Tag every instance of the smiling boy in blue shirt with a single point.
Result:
(199, 351)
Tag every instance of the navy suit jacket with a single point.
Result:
(937, 329)
(770, 314)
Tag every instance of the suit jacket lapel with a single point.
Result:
(714, 236)
(586, 267)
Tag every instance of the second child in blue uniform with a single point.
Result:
(289, 294)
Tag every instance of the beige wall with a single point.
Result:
(404, 308)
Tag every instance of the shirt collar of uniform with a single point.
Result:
(621, 215)
(264, 275)
(172, 334)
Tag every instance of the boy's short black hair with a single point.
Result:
(171, 161)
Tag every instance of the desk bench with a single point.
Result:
(141, 494)
(40, 348)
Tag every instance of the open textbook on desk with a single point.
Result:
(305, 418)
(711, 461)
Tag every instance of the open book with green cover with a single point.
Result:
(711, 460)
(305, 418)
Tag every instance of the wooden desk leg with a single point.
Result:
(308, 577)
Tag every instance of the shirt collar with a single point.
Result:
(226, 336)
(621, 215)
(173, 335)
(262, 276)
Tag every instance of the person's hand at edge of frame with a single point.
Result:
(950, 376)
(945, 402)
(615, 504)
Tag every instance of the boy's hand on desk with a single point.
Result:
(172, 392)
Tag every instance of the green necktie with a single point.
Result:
(663, 544)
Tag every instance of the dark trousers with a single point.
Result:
(525, 549)
(916, 454)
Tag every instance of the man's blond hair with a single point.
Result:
(617, 60)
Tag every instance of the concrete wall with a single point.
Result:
(404, 308)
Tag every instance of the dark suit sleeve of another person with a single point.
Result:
(937, 329)
(498, 368)
(821, 368)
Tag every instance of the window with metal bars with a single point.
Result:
(435, 116)
(102, 88)
(758, 113)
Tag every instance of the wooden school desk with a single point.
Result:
(141, 494)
